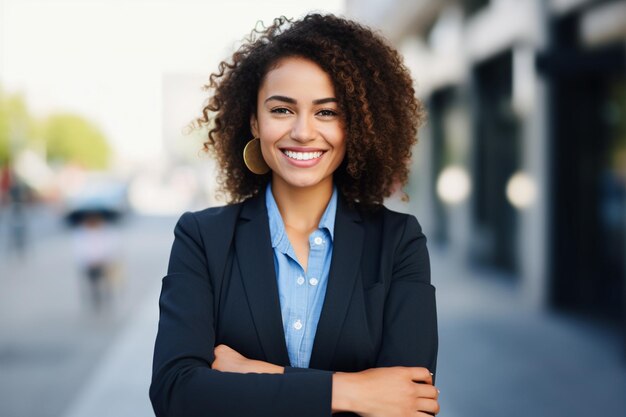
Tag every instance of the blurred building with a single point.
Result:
(521, 166)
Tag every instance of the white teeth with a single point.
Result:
(302, 156)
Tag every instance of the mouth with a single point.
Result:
(303, 156)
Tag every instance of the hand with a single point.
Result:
(388, 392)
(228, 359)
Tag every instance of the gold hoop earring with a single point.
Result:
(253, 158)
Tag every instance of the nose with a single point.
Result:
(303, 129)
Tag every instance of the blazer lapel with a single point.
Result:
(255, 257)
(344, 268)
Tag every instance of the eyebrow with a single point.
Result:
(294, 101)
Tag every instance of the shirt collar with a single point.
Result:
(277, 227)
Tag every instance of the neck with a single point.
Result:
(302, 207)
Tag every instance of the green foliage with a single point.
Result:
(71, 138)
(16, 126)
(67, 138)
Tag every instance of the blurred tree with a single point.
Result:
(16, 126)
(71, 138)
(65, 137)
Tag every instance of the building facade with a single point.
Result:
(521, 166)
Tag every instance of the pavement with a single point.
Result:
(119, 386)
(52, 342)
(500, 357)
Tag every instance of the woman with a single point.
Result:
(306, 296)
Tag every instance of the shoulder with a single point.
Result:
(208, 222)
(390, 232)
(211, 215)
(395, 239)
(390, 220)
(206, 234)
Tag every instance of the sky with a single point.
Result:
(110, 61)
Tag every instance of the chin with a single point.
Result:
(302, 181)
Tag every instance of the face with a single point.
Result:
(299, 124)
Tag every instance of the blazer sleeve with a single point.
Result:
(183, 383)
(410, 336)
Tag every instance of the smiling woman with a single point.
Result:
(299, 125)
(305, 296)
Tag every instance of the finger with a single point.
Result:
(223, 348)
(422, 375)
(426, 391)
(427, 405)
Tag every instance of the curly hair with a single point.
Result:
(373, 87)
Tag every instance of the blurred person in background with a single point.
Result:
(5, 183)
(96, 251)
(15, 195)
(312, 123)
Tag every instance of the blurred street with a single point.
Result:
(51, 339)
(59, 358)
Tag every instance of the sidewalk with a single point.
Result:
(496, 358)
(119, 386)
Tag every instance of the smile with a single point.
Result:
(303, 156)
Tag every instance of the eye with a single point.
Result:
(280, 110)
(327, 113)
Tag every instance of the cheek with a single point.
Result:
(340, 151)
(335, 135)
(342, 155)
(272, 131)
(266, 148)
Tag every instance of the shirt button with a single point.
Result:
(300, 280)
(318, 240)
(297, 325)
(313, 281)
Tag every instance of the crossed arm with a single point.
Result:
(392, 391)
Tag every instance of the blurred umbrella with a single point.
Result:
(81, 215)
(99, 200)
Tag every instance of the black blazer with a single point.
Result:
(379, 310)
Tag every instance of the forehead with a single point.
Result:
(295, 76)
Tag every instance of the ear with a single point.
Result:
(254, 126)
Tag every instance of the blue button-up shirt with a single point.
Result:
(301, 292)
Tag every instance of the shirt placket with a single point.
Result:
(298, 309)
(314, 266)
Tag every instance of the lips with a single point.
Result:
(303, 157)
(303, 154)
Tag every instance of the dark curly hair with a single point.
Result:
(373, 88)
